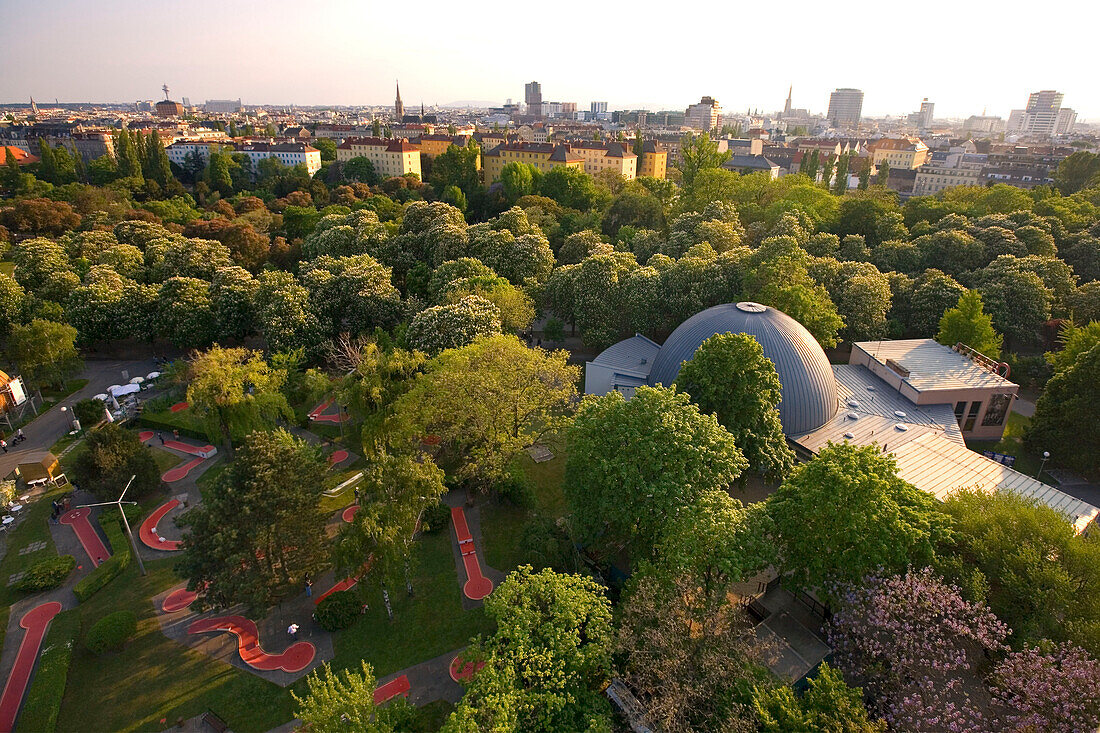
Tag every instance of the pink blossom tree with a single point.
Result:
(1047, 689)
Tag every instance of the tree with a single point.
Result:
(828, 704)
(910, 641)
(865, 175)
(812, 164)
(233, 294)
(45, 352)
(518, 179)
(730, 377)
(129, 164)
(235, 391)
(967, 323)
(344, 701)
(517, 310)
(1067, 415)
(546, 662)
(160, 169)
(111, 455)
(933, 293)
(883, 177)
(42, 267)
(698, 153)
(845, 514)
(1047, 688)
(326, 146)
(12, 297)
(1075, 340)
(570, 187)
(621, 498)
(458, 166)
(1078, 171)
(1019, 304)
(185, 311)
(453, 325)
(283, 312)
(841, 175)
(360, 169)
(377, 373)
(489, 401)
(1028, 563)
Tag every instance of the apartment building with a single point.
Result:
(610, 156)
(654, 160)
(947, 169)
(391, 156)
(542, 156)
(289, 154)
(906, 152)
(705, 116)
(845, 108)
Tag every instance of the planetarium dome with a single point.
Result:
(809, 387)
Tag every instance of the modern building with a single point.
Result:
(924, 116)
(705, 116)
(983, 125)
(905, 152)
(532, 94)
(391, 157)
(845, 108)
(289, 154)
(598, 108)
(167, 108)
(1067, 118)
(1042, 117)
(914, 399)
(542, 156)
(947, 169)
(610, 156)
(222, 106)
(654, 160)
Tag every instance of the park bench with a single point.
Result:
(212, 720)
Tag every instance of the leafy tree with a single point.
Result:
(42, 267)
(883, 177)
(489, 401)
(698, 153)
(932, 294)
(570, 187)
(517, 310)
(377, 373)
(351, 293)
(233, 294)
(547, 660)
(828, 704)
(1047, 688)
(111, 455)
(129, 163)
(811, 165)
(845, 514)
(235, 391)
(518, 179)
(344, 701)
(45, 352)
(730, 377)
(620, 497)
(1075, 341)
(1019, 304)
(872, 217)
(283, 312)
(12, 297)
(1078, 171)
(1067, 417)
(841, 175)
(454, 325)
(258, 527)
(865, 175)
(967, 323)
(186, 312)
(458, 166)
(360, 169)
(326, 146)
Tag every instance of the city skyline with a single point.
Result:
(275, 59)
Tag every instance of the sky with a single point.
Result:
(965, 57)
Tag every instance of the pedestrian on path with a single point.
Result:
(356, 495)
(19, 437)
(176, 434)
(161, 436)
(4, 445)
(309, 586)
(292, 631)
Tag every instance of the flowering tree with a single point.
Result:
(453, 326)
(1044, 689)
(913, 641)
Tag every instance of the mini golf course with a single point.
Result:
(79, 520)
(36, 622)
(461, 670)
(320, 414)
(349, 514)
(393, 688)
(337, 457)
(178, 600)
(148, 531)
(296, 657)
(477, 586)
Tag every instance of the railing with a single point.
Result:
(1000, 368)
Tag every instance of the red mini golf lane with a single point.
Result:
(296, 658)
(477, 585)
(175, 474)
(145, 435)
(36, 622)
(318, 413)
(338, 456)
(349, 514)
(179, 407)
(390, 690)
(85, 532)
(178, 600)
(148, 531)
(347, 583)
(462, 670)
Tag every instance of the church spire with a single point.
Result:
(787, 107)
(398, 105)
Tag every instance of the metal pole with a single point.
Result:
(133, 545)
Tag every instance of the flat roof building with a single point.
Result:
(845, 108)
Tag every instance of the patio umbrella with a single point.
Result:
(137, 380)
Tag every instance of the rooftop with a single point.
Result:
(931, 365)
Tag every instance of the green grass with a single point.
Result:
(430, 623)
(167, 421)
(164, 459)
(1012, 444)
(502, 523)
(210, 476)
(44, 697)
(154, 677)
(34, 527)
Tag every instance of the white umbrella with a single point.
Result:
(137, 380)
(113, 387)
(152, 375)
(101, 397)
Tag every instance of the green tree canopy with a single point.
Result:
(1067, 415)
(967, 323)
(344, 701)
(45, 352)
(828, 704)
(111, 455)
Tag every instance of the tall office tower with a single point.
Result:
(1041, 115)
(705, 116)
(598, 108)
(924, 117)
(845, 107)
(533, 97)
(398, 105)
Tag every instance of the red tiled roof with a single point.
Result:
(21, 157)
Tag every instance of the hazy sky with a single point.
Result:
(962, 56)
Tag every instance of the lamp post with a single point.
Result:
(119, 502)
(1046, 457)
(74, 424)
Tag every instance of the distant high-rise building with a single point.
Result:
(398, 105)
(1042, 117)
(1067, 118)
(599, 107)
(222, 106)
(533, 97)
(569, 110)
(924, 117)
(983, 124)
(705, 116)
(167, 108)
(845, 107)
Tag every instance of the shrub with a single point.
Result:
(338, 611)
(517, 488)
(543, 544)
(553, 331)
(46, 574)
(435, 518)
(111, 632)
(111, 567)
(89, 412)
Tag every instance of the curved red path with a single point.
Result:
(178, 600)
(36, 621)
(463, 670)
(348, 514)
(296, 657)
(180, 471)
(145, 435)
(338, 456)
(477, 586)
(179, 407)
(79, 520)
(393, 688)
(148, 531)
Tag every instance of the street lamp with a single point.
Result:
(1046, 457)
(74, 423)
(119, 502)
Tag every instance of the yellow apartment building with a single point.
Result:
(654, 160)
(609, 156)
(391, 157)
(542, 156)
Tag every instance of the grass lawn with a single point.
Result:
(207, 479)
(34, 527)
(502, 523)
(165, 459)
(154, 677)
(1012, 444)
(430, 623)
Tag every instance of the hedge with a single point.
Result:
(435, 518)
(46, 574)
(43, 702)
(166, 422)
(111, 632)
(338, 611)
(111, 567)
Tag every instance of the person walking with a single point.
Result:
(292, 631)
(161, 436)
(309, 586)
(19, 437)
(176, 434)
(4, 445)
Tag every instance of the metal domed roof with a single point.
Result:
(809, 387)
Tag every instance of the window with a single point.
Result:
(997, 411)
(972, 416)
(960, 410)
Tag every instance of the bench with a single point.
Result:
(212, 720)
